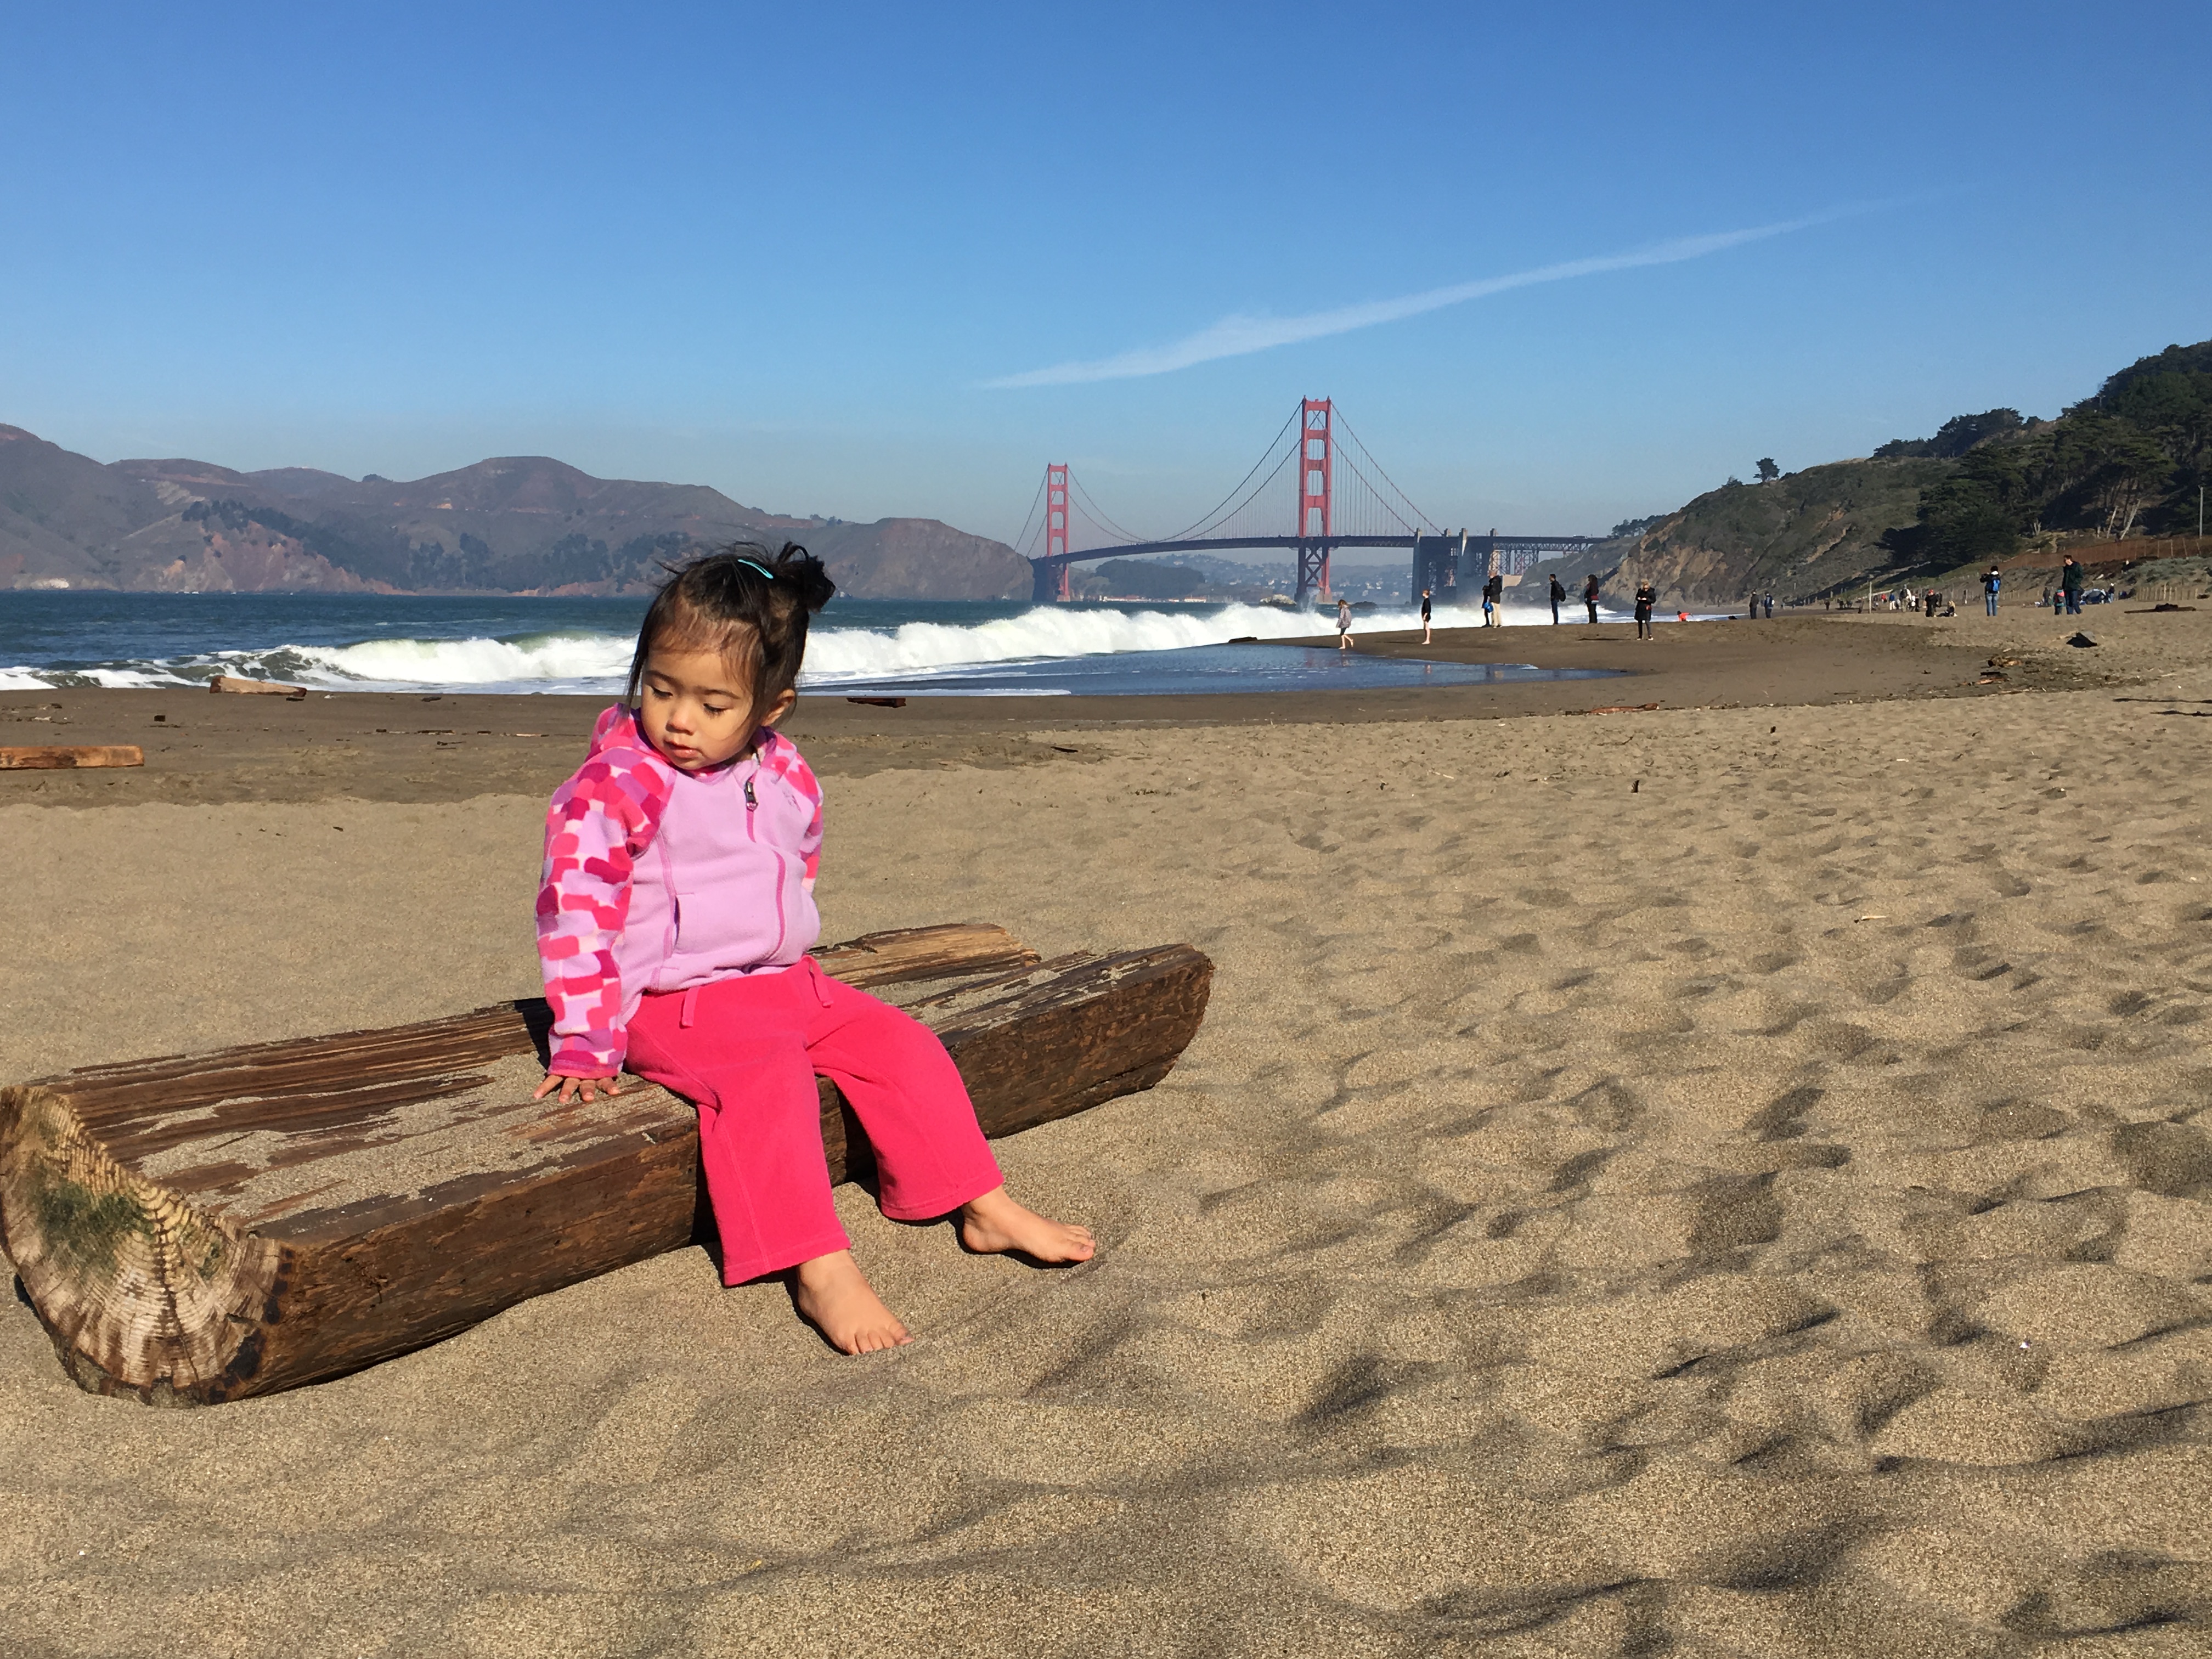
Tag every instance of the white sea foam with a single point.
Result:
(529, 663)
(599, 662)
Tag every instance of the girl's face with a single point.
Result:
(695, 710)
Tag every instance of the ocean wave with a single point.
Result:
(597, 663)
(529, 661)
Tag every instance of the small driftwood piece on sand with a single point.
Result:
(204, 1228)
(256, 688)
(48, 755)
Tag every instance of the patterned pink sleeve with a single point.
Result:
(780, 756)
(600, 820)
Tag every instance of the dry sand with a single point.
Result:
(1725, 1181)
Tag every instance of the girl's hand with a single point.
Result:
(570, 1086)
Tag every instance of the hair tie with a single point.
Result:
(763, 568)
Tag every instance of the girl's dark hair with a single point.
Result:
(745, 603)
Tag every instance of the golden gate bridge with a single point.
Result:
(1337, 495)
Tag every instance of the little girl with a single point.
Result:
(673, 922)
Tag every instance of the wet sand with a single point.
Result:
(1714, 1180)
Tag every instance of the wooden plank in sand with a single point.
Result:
(48, 755)
(234, 683)
(211, 1226)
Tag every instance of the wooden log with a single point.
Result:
(204, 1228)
(47, 756)
(256, 688)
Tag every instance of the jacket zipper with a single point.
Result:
(752, 805)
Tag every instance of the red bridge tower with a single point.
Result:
(1313, 446)
(1055, 524)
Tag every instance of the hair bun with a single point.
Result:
(808, 577)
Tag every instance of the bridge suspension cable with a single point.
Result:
(1030, 523)
(1361, 453)
(1216, 515)
(1098, 517)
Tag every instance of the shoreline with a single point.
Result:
(202, 746)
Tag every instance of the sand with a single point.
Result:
(1712, 1181)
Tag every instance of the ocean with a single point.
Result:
(498, 643)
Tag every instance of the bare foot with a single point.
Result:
(835, 1297)
(994, 1223)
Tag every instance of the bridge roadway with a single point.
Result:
(1442, 553)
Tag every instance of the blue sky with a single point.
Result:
(821, 257)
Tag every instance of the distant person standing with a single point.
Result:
(1769, 607)
(1991, 583)
(1590, 595)
(1932, 599)
(1344, 624)
(2069, 585)
(1425, 615)
(1646, 597)
(1559, 598)
(1493, 602)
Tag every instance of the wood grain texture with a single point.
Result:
(200, 1227)
(57, 756)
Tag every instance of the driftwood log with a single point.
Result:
(44, 757)
(204, 1228)
(257, 688)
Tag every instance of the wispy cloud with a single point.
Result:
(1238, 337)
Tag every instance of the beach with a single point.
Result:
(1727, 1177)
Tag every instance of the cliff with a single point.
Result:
(2131, 459)
(1803, 534)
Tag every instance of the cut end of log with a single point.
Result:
(50, 757)
(143, 1294)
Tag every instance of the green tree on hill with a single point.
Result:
(1768, 473)
(1955, 436)
(2168, 398)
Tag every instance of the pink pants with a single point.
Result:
(746, 1051)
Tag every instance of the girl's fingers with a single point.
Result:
(572, 1088)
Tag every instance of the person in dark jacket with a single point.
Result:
(1559, 598)
(1425, 615)
(1493, 602)
(1590, 595)
(1646, 597)
(2069, 585)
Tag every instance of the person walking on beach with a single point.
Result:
(1559, 598)
(1493, 602)
(1646, 597)
(2069, 586)
(1991, 583)
(689, 790)
(1590, 595)
(1344, 624)
(1425, 615)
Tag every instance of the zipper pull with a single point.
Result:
(751, 800)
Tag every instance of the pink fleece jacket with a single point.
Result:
(657, 879)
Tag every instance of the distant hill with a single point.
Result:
(515, 524)
(2127, 460)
